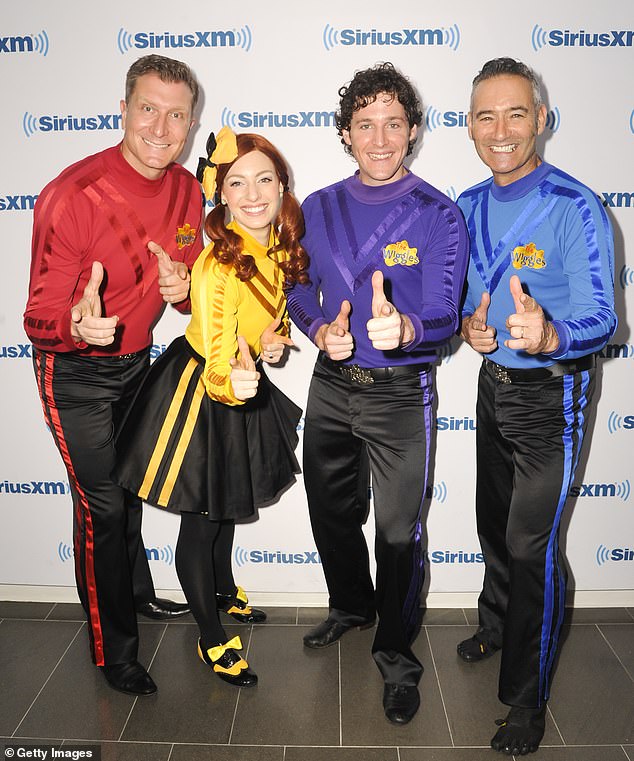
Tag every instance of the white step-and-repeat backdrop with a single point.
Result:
(275, 68)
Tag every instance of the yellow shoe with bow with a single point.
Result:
(237, 606)
(228, 664)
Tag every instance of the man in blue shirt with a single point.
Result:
(540, 304)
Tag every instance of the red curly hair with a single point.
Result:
(289, 223)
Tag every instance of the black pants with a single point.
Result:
(84, 400)
(391, 421)
(529, 438)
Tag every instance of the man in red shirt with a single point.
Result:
(114, 236)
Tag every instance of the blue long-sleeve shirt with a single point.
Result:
(407, 229)
(552, 232)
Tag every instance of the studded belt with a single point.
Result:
(535, 374)
(363, 376)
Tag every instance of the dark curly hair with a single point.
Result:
(228, 245)
(363, 90)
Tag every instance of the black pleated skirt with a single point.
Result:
(180, 450)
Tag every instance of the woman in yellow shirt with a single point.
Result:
(208, 434)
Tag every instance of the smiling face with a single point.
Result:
(156, 123)
(503, 124)
(252, 192)
(379, 137)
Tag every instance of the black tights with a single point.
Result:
(203, 565)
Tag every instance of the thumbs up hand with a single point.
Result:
(244, 376)
(530, 330)
(388, 328)
(476, 332)
(86, 322)
(173, 277)
(335, 338)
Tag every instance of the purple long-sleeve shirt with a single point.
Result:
(407, 229)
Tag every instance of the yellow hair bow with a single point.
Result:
(221, 149)
(215, 653)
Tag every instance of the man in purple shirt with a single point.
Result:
(388, 256)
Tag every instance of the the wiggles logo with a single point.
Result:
(565, 38)
(259, 119)
(528, 256)
(439, 37)
(228, 38)
(400, 253)
(29, 43)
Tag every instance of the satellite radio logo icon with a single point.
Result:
(29, 43)
(272, 119)
(440, 37)
(435, 118)
(556, 38)
(604, 555)
(161, 554)
(618, 422)
(55, 123)
(274, 557)
(230, 38)
(553, 120)
(626, 276)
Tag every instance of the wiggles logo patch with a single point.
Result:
(528, 256)
(185, 235)
(400, 253)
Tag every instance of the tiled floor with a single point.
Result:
(309, 705)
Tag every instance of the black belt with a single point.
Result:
(362, 376)
(533, 374)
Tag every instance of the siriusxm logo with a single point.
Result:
(249, 119)
(17, 203)
(156, 350)
(227, 38)
(444, 423)
(435, 118)
(604, 555)
(626, 276)
(618, 422)
(441, 36)
(165, 554)
(275, 557)
(617, 351)
(161, 554)
(29, 43)
(617, 200)
(45, 488)
(70, 123)
(632, 121)
(452, 557)
(558, 38)
(16, 351)
(622, 490)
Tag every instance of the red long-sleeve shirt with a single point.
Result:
(101, 209)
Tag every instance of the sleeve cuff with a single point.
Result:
(312, 331)
(565, 339)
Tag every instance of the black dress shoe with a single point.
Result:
(237, 606)
(160, 609)
(130, 678)
(477, 648)
(400, 702)
(329, 631)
